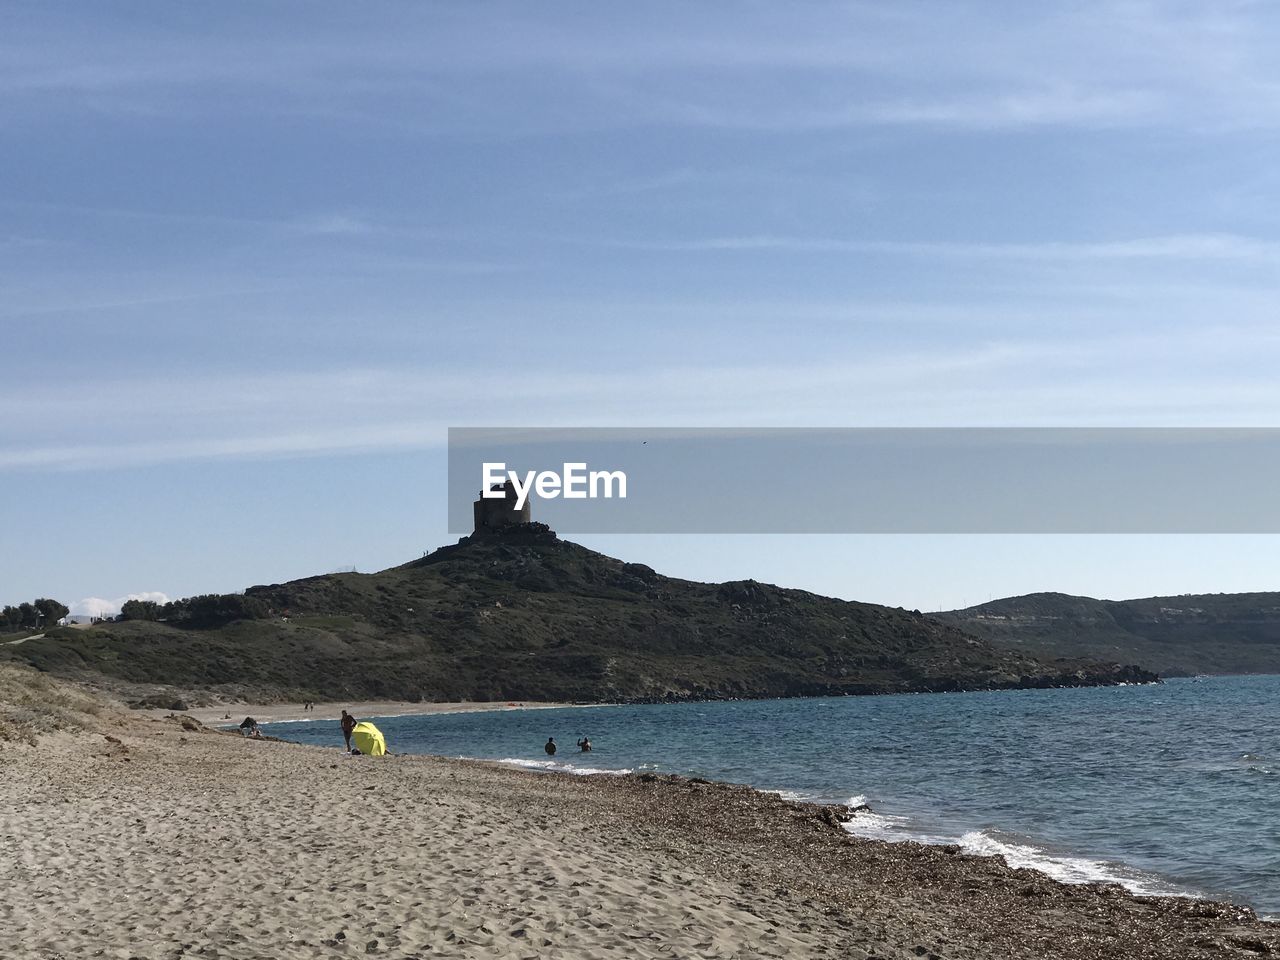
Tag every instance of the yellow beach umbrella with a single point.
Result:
(368, 739)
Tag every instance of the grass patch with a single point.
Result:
(32, 704)
(331, 622)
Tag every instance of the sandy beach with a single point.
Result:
(280, 712)
(155, 838)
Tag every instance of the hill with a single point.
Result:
(521, 614)
(1173, 636)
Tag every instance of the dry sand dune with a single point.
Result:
(174, 843)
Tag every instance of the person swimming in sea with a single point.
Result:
(550, 747)
(585, 745)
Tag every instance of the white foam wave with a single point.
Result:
(555, 766)
(887, 826)
(787, 794)
(896, 829)
(1061, 867)
(1067, 869)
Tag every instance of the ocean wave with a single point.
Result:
(887, 826)
(1067, 869)
(555, 766)
(896, 829)
(787, 794)
(1016, 853)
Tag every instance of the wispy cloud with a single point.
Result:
(1096, 63)
(1172, 247)
(322, 223)
(336, 224)
(343, 412)
(344, 246)
(1059, 105)
(14, 242)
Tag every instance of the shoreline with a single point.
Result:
(291, 711)
(363, 709)
(1038, 859)
(1056, 861)
(414, 855)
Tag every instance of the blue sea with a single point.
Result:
(1169, 788)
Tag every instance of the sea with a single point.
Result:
(1170, 788)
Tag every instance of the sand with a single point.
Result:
(176, 842)
(278, 712)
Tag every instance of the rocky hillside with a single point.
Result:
(526, 615)
(1173, 636)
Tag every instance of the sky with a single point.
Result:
(257, 258)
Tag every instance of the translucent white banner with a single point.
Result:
(783, 480)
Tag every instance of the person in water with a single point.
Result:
(585, 745)
(348, 724)
(550, 747)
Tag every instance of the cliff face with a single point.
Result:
(1174, 636)
(521, 614)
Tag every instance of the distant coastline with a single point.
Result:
(367, 709)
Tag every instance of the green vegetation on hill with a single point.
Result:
(523, 615)
(1173, 636)
(28, 617)
(206, 610)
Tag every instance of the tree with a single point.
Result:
(214, 610)
(50, 611)
(27, 616)
(140, 610)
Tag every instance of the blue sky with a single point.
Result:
(257, 258)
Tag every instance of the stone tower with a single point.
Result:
(493, 513)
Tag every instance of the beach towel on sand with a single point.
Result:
(368, 739)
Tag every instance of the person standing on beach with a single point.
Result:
(550, 747)
(348, 724)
